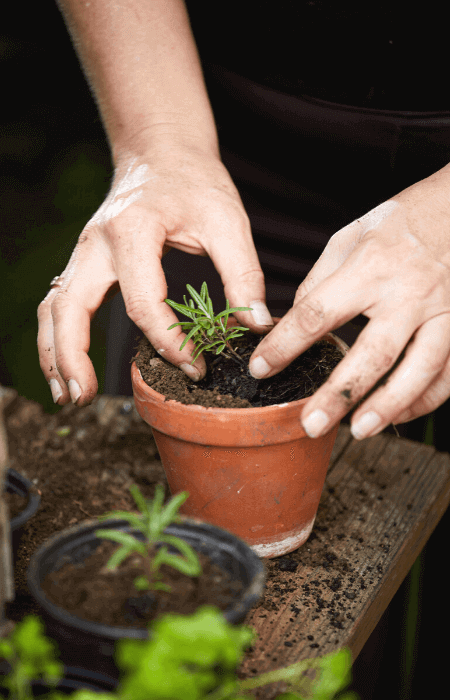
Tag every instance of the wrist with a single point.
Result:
(163, 137)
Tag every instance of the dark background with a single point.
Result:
(55, 171)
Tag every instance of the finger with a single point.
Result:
(336, 300)
(377, 348)
(434, 396)
(144, 288)
(235, 258)
(46, 350)
(86, 282)
(424, 360)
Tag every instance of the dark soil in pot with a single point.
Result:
(228, 383)
(91, 592)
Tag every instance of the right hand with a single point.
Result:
(169, 197)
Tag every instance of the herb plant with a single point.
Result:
(195, 658)
(153, 520)
(31, 656)
(191, 657)
(207, 330)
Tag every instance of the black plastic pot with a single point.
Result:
(72, 680)
(17, 483)
(90, 644)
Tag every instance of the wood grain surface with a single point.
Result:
(382, 499)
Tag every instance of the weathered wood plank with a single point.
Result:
(7, 395)
(383, 498)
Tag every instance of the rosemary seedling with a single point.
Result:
(152, 521)
(209, 332)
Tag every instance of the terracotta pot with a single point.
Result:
(252, 471)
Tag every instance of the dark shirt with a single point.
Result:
(385, 55)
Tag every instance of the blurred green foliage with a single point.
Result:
(37, 245)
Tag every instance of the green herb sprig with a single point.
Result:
(152, 522)
(207, 330)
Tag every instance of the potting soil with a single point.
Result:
(228, 384)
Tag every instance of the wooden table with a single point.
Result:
(382, 499)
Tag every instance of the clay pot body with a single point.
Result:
(252, 471)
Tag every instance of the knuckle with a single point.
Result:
(136, 308)
(43, 310)
(277, 353)
(59, 305)
(252, 278)
(309, 316)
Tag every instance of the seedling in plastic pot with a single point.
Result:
(209, 332)
(153, 550)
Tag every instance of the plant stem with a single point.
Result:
(285, 675)
(147, 565)
(231, 354)
(291, 673)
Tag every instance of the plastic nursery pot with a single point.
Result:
(18, 484)
(90, 645)
(252, 471)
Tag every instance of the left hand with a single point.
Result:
(393, 266)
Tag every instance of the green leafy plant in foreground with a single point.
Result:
(31, 656)
(194, 657)
(207, 330)
(152, 521)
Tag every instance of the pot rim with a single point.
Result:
(150, 394)
(17, 483)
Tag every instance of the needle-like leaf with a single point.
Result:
(154, 519)
(207, 325)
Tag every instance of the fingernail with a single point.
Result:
(315, 424)
(191, 371)
(55, 389)
(259, 368)
(74, 390)
(261, 314)
(365, 425)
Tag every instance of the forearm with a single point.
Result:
(141, 61)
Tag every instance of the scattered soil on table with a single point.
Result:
(228, 383)
(93, 593)
(82, 461)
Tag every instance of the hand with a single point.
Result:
(393, 266)
(171, 198)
